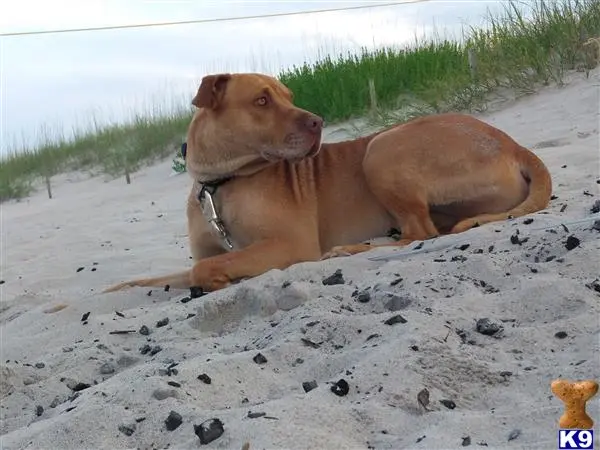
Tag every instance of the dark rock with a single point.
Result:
(560, 334)
(144, 330)
(167, 288)
(145, 349)
(341, 388)
(395, 319)
(127, 429)
(514, 239)
(162, 322)
(594, 285)
(448, 404)
(528, 221)
(256, 415)
(396, 281)
(40, 365)
(196, 292)
(209, 430)
(205, 378)
(514, 434)
(259, 358)
(155, 350)
(39, 410)
(363, 296)
(79, 269)
(309, 385)
(186, 299)
(85, 316)
(336, 278)
(596, 225)
(487, 327)
(595, 207)
(464, 247)
(174, 384)
(173, 421)
(466, 441)
(572, 242)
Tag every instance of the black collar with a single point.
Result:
(211, 186)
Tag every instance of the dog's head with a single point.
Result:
(243, 119)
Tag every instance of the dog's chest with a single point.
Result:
(236, 218)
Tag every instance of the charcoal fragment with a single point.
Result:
(162, 322)
(196, 292)
(209, 430)
(309, 385)
(127, 429)
(341, 388)
(336, 278)
(448, 404)
(487, 327)
(173, 421)
(395, 319)
(572, 243)
(205, 378)
(259, 358)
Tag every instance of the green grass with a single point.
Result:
(431, 75)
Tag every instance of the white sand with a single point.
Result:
(140, 230)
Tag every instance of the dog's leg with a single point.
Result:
(220, 271)
(179, 280)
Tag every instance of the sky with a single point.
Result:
(53, 84)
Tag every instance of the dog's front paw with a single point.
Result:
(209, 277)
(345, 250)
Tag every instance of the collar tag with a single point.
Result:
(210, 214)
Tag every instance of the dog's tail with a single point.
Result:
(179, 280)
(540, 184)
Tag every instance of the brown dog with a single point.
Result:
(284, 198)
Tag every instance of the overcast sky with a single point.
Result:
(58, 82)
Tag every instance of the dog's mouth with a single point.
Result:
(295, 148)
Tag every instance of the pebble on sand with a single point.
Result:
(173, 421)
(209, 430)
(205, 378)
(336, 278)
(487, 327)
(309, 385)
(259, 358)
(341, 388)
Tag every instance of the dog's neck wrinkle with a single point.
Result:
(227, 165)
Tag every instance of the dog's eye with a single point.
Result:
(261, 101)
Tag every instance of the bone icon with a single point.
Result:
(575, 396)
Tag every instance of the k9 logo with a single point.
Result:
(575, 439)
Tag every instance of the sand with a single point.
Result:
(67, 383)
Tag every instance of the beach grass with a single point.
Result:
(521, 49)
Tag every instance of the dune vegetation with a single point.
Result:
(512, 51)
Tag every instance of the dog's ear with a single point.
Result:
(211, 91)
